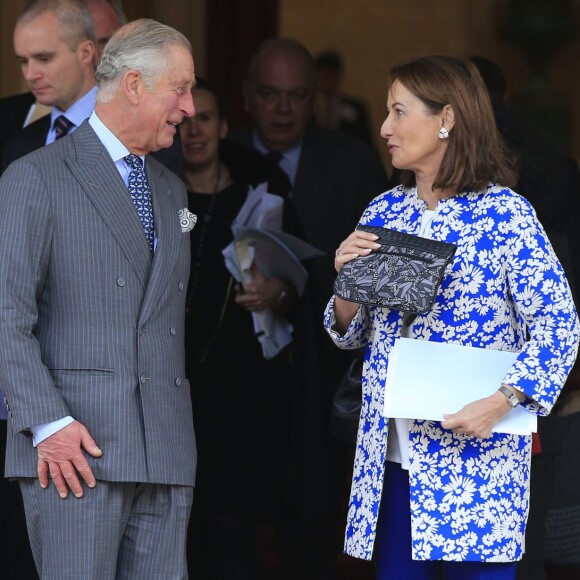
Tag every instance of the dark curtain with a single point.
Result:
(235, 28)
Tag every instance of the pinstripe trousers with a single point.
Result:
(116, 531)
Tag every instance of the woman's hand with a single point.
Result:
(357, 244)
(477, 419)
(263, 292)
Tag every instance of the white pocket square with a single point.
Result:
(187, 220)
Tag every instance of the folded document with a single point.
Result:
(426, 380)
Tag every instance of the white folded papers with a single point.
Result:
(258, 239)
(426, 380)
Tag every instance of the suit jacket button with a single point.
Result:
(120, 281)
(143, 379)
(178, 381)
(172, 331)
(180, 285)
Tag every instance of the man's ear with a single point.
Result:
(448, 117)
(132, 84)
(86, 51)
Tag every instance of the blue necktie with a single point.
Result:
(61, 126)
(141, 196)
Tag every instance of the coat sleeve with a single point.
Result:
(544, 306)
(25, 248)
(357, 333)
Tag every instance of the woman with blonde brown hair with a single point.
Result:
(432, 497)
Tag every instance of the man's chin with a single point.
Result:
(164, 143)
(281, 142)
(45, 99)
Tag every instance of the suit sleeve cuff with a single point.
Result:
(42, 432)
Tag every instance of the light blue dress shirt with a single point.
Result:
(77, 113)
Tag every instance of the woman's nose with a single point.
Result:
(386, 129)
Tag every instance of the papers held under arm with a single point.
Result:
(276, 254)
(258, 239)
(426, 380)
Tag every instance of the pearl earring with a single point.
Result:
(443, 133)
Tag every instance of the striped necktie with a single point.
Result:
(61, 126)
(141, 196)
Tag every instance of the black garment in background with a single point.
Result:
(243, 404)
(337, 177)
(16, 561)
(240, 404)
(13, 112)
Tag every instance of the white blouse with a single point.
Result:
(398, 439)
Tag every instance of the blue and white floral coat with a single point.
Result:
(505, 290)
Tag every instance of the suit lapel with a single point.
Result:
(168, 231)
(98, 176)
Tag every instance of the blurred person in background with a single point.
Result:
(333, 177)
(333, 109)
(242, 402)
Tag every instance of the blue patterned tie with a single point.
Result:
(141, 196)
(61, 126)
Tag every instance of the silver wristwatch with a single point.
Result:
(511, 397)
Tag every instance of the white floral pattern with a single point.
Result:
(505, 290)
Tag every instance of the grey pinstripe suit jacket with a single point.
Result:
(90, 325)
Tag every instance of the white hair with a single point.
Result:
(140, 45)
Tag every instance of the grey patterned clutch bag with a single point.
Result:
(404, 273)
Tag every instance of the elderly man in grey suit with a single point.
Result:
(94, 263)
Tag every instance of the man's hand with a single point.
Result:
(61, 455)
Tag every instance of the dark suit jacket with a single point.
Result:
(90, 324)
(13, 112)
(33, 137)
